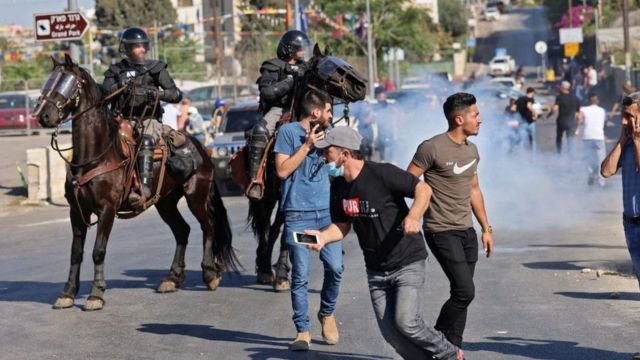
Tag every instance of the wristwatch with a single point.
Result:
(487, 230)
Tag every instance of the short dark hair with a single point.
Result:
(312, 100)
(530, 90)
(455, 104)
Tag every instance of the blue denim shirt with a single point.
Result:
(630, 180)
(307, 188)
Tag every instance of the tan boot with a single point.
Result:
(302, 342)
(329, 329)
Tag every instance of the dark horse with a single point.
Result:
(71, 90)
(343, 83)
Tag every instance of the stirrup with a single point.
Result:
(255, 190)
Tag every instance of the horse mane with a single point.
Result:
(93, 95)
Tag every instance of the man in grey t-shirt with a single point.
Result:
(449, 164)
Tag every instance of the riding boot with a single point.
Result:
(257, 144)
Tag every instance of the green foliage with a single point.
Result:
(453, 17)
(396, 23)
(180, 56)
(120, 14)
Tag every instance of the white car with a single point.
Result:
(491, 14)
(503, 65)
(504, 80)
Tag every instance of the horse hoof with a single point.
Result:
(93, 304)
(265, 278)
(213, 284)
(281, 285)
(63, 302)
(167, 287)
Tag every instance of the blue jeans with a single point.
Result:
(632, 234)
(528, 131)
(594, 154)
(397, 299)
(331, 257)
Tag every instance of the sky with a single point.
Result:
(20, 12)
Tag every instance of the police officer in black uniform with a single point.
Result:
(277, 82)
(149, 82)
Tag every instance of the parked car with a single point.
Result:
(13, 112)
(228, 140)
(491, 13)
(204, 97)
(502, 65)
(506, 81)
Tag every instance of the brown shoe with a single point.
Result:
(302, 342)
(329, 329)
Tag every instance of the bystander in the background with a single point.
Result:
(567, 106)
(593, 118)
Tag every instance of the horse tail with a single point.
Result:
(222, 249)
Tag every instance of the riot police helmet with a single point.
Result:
(130, 39)
(291, 43)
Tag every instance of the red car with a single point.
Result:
(13, 112)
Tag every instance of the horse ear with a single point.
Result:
(54, 61)
(327, 51)
(67, 60)
(316, 50)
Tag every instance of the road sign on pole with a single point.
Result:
(60, 26)
(571, 49)
(541, 47)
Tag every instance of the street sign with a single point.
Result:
(471, 42)
(541, 47)
(60, 26)
(571, 35)
(501, 52)
(571, 49)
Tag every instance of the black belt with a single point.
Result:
(633, 220)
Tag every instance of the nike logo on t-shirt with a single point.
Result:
(460, 169)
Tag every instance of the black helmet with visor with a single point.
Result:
(130, 38)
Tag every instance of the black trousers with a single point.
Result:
(570, 131)
(457, 253)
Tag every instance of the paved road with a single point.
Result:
(533, 301)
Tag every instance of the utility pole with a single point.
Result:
(218, 52)
(625, 26)
(74, 48)
(570, 3)
(370, 50)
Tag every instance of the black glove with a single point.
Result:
(152, 94)
(295, 70)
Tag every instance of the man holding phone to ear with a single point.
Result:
(371, 196)
(626, 155)
(305, 203)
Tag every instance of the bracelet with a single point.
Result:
(488, 230)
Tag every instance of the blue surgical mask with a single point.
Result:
(334, 170)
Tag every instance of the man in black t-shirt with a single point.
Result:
(371, 197)
(567, 106)
(524, 105)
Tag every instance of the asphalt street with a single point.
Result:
(539, 297)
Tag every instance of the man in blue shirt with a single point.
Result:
(626, 155)
(305, 203)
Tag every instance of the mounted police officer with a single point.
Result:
(149, 82)
(277, 83)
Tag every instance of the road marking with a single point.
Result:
(46, 222)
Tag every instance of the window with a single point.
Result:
(241, 120)
(12, 102)
(200, 94)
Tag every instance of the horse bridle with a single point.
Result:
(64, 83)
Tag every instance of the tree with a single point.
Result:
(396, 23)
(453, 17)
(121, 14)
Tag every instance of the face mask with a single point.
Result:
(334, 170)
